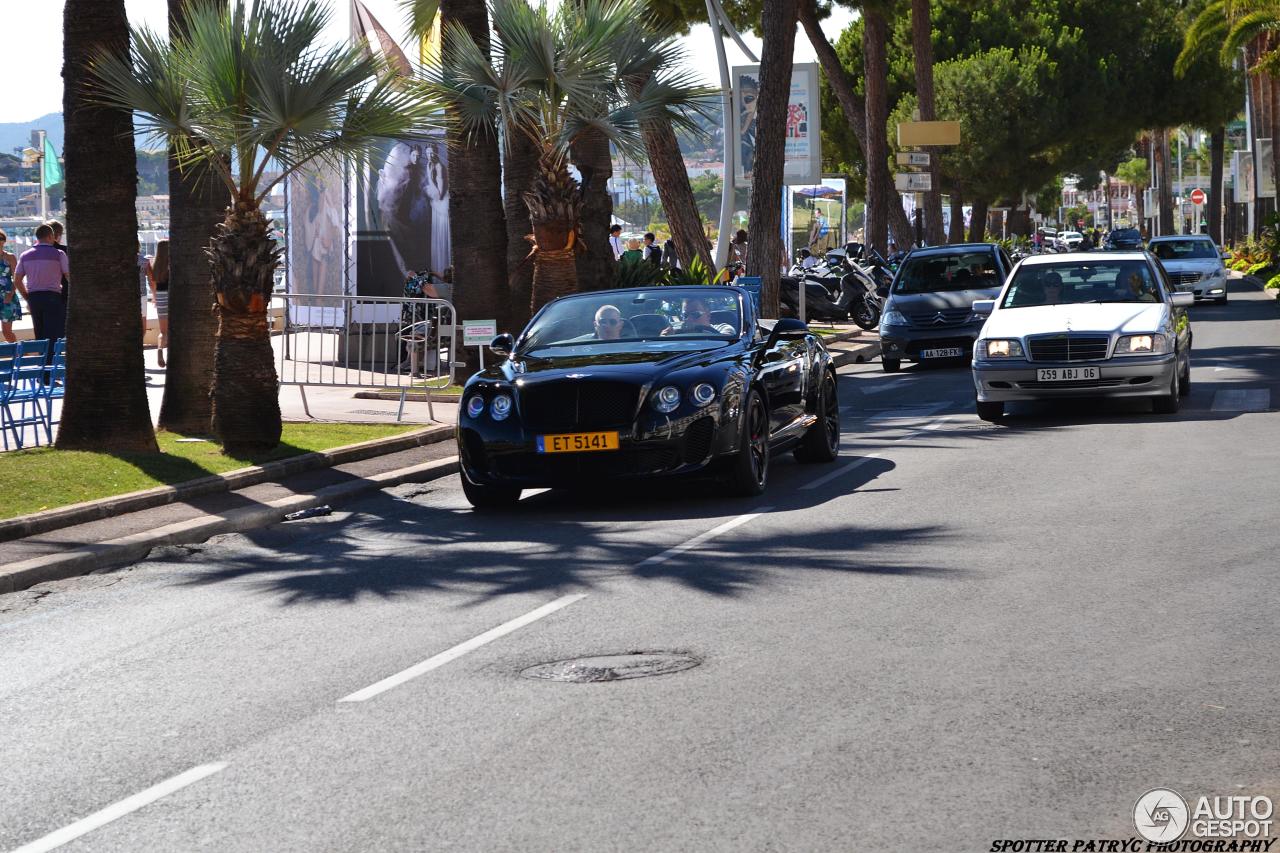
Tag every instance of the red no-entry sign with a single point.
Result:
(1197, 196)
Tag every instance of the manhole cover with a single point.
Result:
(612, 667)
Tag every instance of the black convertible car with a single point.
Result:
(649, 382)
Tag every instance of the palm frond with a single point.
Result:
(420, 15)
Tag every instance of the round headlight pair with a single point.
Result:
(667, 398)
(499, 409)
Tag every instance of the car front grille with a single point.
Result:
(1084, 383)
(697, 440)
(1182, 279)
(1069, 348)
(569, 467)
(573, 405)
(939, 319)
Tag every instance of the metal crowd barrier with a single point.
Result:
(363, 342)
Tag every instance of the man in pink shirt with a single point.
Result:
(39, 279)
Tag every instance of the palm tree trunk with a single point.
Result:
(874, 41)
(765, 249)
(592, 157)
(1165, 190)
(518, 170)
(676, 193)
(105, 408)
(855, 112)
(477, 221)
(956, 234)
(555, 211)
(1213, 208)
(978, 221)
(922, 44)
(246, 402)
(196, 206)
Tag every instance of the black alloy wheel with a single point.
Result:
(821, 442)
(749, 469)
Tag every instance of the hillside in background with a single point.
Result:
(18, 134)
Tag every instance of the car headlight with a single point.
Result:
(703, 393)
(1142, 345)
(893, 317)
(666, 399)
(500, 407)
(1003, 348)
(475, 405)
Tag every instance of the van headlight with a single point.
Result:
(1142, 345)
(1002, 348)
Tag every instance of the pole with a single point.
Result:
(727, 115)
(44, 193)
(1182, 190)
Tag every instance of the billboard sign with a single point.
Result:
(803, 153)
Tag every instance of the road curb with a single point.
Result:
(130, 549)
(410, 397)
(67, 516)
(856, 354)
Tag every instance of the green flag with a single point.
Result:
(52, 169)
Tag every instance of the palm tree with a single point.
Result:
(196, 206)
(106, 400)
(922, 48)
(553, 79)
(1134, 172)
(765, 250)
(240, 90)
(875, 37)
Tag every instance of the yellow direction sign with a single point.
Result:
(911, 133)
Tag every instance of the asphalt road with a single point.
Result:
(957, 633)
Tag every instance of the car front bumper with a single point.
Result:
(1015, 380)
(906, 343)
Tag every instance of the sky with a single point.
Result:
(33, 79)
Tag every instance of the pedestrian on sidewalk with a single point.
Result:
(144, 277)
(160, 298)
(58, 244)
(652, 251)
(38, 277)
(10, 305)
(615, 240)
(415, 331)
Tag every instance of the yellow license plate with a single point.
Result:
(577, 442)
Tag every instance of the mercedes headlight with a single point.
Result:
(475, 405)
(501, 407)
(1003, 348)
(703, 393)
(1142, 345)
(666, 399)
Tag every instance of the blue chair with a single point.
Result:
(22, 380)
(55, 386)
(751, 284)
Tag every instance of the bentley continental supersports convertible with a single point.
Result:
(651, 382)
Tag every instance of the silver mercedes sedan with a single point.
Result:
(1083, 325)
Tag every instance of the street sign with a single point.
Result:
(912, 133)
(913, 158)
(478, 333)
(913, 182)
(1198, 196)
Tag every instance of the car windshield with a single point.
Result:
(1128, 234)
(1068, 283)
(962, 271)
(611, 321)
(1181, 250)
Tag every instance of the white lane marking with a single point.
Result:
(862, 460)
(921, 410)
(703, 537)
(1242, 400)
(118, 810)
(461, 649)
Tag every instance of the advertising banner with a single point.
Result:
(803, 158)
(1242, 175)
(1265, 170)
(317, 229)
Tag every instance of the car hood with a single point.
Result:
(1128, 317)
(940, 300)
(639, 366)
(1192, 265)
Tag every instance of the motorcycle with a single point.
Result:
(835, 289)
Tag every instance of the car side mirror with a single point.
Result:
(1182, 300)
(502, 345)
(785, 329)
(984, 306)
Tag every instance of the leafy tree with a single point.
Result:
(240, 89)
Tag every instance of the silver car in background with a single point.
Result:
(1083, 325)
(1194, 264)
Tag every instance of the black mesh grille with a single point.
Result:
(1077, 383)
(565, 467)
(569, 405)
(940, 319)
(1069, 348)
(697, 440)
